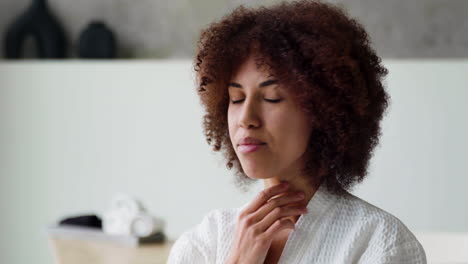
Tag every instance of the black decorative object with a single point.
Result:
(83, 220)
(38, 22)
(97, 41)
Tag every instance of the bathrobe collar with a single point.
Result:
(298, 239)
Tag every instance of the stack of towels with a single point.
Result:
(127, 216)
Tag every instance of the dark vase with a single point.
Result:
(97, 42)
(37, 22)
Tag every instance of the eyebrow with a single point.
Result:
(263, 84)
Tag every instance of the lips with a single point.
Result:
(250, 141)
(250, 148)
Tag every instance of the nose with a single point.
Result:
(249, 114)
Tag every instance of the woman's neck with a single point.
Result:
(295, 184)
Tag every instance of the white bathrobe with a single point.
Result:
(336, 229)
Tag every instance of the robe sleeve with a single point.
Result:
(393, 242)
(184, 250)
(197, 245)
(408, 253)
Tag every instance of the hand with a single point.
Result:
(260, 221)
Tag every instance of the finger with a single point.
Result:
(276, 214)
(290, 199)
(277, 226)
(264, 196)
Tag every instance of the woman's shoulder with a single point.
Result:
(213, 223)
(371, 214)
(199, 244)
(385, 232)
(220, 218)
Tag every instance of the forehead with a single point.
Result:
(250, 67)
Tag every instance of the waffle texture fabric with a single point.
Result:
(336, 229)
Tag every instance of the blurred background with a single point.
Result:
(98, 98)
(169, 29)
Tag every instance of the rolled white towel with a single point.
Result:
(127, 216)
(114, 222)
(126, 204)
(144, 225)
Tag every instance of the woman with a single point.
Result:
(294, 95)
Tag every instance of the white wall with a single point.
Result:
(76, 132)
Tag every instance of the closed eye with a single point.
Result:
(268, 100)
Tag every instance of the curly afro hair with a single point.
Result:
(324, 58)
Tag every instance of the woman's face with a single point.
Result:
(282, 126)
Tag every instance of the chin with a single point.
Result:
(257, 173)
(257, 168)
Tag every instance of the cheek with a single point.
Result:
(302, 129)
(291, 131)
